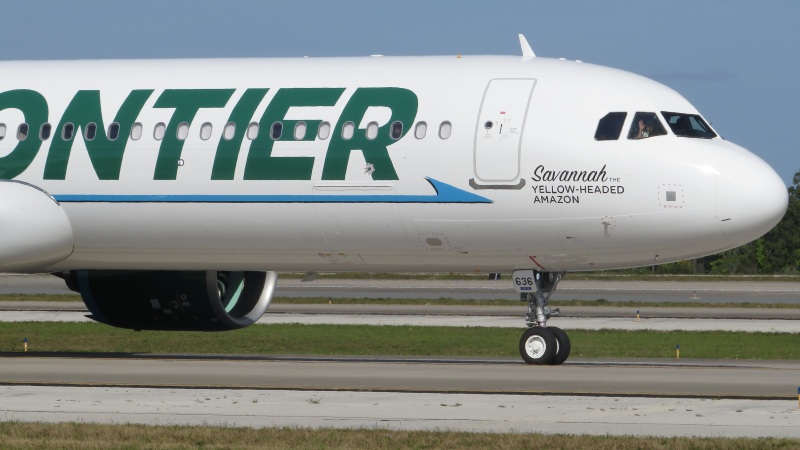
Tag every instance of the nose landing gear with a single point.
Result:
(540, 344)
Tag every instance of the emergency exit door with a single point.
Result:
(498, 133)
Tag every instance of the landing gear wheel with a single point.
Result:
(563, 345)
(538, 346)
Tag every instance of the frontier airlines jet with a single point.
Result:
(169, 193)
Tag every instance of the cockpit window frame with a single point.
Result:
(694, 126)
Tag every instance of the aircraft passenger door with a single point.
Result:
(498, 134)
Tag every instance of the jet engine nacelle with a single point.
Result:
(175, 300)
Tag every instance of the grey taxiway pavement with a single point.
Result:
(616, 290)
(664, 397)
(579, 376)
(652, 398)
(365, 316)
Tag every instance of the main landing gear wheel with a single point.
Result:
(563, 345)
(538, 346)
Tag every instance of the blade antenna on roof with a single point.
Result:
(527, 51)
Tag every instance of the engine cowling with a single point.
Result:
(175, 300)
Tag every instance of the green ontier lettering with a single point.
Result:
(228, 150)
(187, 102)
(261, 165)
(403, 104)
(34, 108)
(105, 154)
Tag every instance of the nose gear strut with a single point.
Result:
(545, 283)
(539, 344)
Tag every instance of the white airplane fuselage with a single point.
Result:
(520, 180)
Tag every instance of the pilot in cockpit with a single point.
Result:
(645, 129)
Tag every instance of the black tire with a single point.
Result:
(563, 345)
(538, 346)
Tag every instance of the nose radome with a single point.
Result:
(751, 199)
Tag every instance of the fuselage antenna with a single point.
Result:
(527, 51)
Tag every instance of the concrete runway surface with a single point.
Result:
(474, 320)
(408, 411)
(514, 309)
(654, 398)
(639, 397)
(634, 377)
(613, 290)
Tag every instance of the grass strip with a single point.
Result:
(24, 436)
(370, 340)
(442, 302)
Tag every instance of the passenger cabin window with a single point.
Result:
(420, 130)
(68, 132)
(252, 131)
(610, 126)
(324, 131)
(159, 131)
(183, 131)
(372, 130)
(300, 129)
(113, 131)
(348, 130)
(397, 130)
(44, 131)
(22, 132)
(2, 131)
(688, 125)
(136, 131)
(90, 132)
(205, 131)
(445, 130)
(646, 125)
(229, 131)
(276, 131)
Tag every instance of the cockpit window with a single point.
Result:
(646, 125)
(610, 127)
(688, 125)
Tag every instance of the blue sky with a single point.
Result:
(736, 60)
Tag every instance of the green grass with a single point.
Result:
(390, 341)
(80, 436)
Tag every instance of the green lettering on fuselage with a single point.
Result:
(186, 103)
(34, 109)
(228, 150)
(105, 154)
(403, 104)
(261, 165)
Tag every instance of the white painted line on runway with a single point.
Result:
(404, 411)
(568, 323)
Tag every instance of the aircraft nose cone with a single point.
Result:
(751, 199)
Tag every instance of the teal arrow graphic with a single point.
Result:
(445, 193)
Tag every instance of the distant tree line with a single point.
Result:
(777, 252)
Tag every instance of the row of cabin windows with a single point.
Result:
(275, 132)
